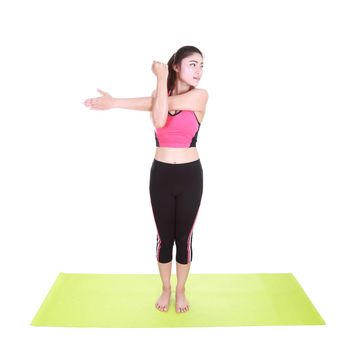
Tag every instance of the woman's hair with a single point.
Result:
(176, 59)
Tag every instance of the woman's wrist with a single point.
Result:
(116, 102)
(161, 84)
(162, 78)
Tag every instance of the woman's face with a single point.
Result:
(191, 69)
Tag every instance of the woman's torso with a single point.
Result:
(178, 155)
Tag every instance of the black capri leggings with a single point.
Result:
(175, 193)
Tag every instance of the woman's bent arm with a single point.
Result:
(160, 103)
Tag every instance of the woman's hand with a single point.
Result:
(160, 69)
(102, 102)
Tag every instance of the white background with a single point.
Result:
(276, 146)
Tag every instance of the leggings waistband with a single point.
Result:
(179, 165)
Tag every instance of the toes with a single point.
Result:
(161, 307)
(182, 309)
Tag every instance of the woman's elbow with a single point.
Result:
(158, 120)
(159, 123)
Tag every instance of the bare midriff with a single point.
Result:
(176, 155)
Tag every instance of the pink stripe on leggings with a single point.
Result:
(189, 255)
(158, 248)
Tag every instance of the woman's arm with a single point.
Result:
(107, 102)
(137, 103)
(193, 100)
(160, 102)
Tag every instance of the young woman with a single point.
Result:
(177, 110)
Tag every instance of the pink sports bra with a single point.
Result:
(181, 130)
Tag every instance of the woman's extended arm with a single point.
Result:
(107, 102)
(137, 103)
(160, 106)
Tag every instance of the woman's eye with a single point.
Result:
(194, 64)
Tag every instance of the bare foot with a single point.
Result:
(182, 304)
(163, 302)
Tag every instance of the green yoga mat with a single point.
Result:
(216, 300)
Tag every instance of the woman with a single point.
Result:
(176, 176)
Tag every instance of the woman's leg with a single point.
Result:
(187, 206)
(163, 207)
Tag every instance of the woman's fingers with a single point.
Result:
(91, 102)
(97, 103)
(159, 68)
(102, 102)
